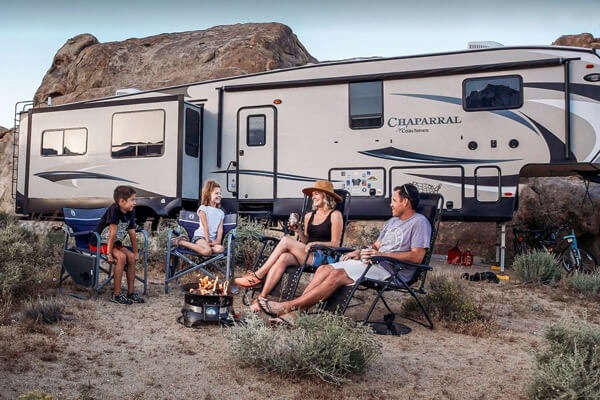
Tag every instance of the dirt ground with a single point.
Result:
(110, 351)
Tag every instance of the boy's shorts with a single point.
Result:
(104, 247)
(319, 259)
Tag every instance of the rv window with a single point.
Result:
(256, 132)
(493, 93)
(64, 142)
(192, 132)
(366, 105)
(138, 134)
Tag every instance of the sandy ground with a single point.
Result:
(109, 351)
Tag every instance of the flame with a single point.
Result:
(209, 286)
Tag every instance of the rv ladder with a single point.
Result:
(15, 146)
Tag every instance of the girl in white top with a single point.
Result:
(211, 221)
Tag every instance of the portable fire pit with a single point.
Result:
(202, 306)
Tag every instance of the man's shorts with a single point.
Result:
(319, 258)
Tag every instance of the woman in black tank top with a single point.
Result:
(323, 225)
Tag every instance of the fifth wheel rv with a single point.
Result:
(466, 124)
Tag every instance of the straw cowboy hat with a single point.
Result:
(322, 186)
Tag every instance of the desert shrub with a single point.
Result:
(43, 310)
(21, 257)
(157, 241)
(588, 284)
(248, 242)
(537, 267)
(568, 365)
(35, 395)
(326, 345)
(448, 301)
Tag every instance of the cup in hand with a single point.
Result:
(365, 254)
(293, 221)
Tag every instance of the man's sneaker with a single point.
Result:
(135, 298)
(121, 299)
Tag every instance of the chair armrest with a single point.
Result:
(399, 263)
(82, 233)
(341, 250)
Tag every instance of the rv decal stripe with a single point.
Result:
(392, 153)
(271, 174)
(580, 89)
(505, 180)
(555, 145)
(457, 101)
(55, 176)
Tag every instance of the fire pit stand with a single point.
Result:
(198, 309)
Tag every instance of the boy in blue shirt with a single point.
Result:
(120, 220)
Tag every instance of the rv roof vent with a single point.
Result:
(122, 92)
(484, 44)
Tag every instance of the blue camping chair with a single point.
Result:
(181, 261)
(85, 267)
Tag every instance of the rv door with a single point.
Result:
(256, 153)
(192, 144)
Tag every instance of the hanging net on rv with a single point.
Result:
(427, 187)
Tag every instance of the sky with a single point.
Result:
(31, 32)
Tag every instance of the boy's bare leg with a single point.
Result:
(131, 263)
(121, 260)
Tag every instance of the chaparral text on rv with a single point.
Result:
(394, 122)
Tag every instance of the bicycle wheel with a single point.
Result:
(588, 263)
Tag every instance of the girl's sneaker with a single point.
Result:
(121, 299)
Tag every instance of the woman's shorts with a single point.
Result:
(319, 258)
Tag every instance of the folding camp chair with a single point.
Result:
(406, 275)
(288, 284)
(87, 268)
(181, 261)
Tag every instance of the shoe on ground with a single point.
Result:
(135, 298)
(121, 299)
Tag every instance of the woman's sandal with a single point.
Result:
(249, 280)
(265, 305)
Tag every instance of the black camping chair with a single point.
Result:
(288, 284)
(181, 261)
(409, 278)
(86, 267)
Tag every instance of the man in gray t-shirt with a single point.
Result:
(404, 237)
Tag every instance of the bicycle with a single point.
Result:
(575, 258)
(572, 257)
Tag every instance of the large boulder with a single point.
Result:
(580, 40)
(84, 68)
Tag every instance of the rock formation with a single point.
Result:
(580, 40)
(84, 68)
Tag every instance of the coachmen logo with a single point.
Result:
(420, 124)
(72, 212)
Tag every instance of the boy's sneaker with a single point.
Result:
(135, 298)
(121, 299)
